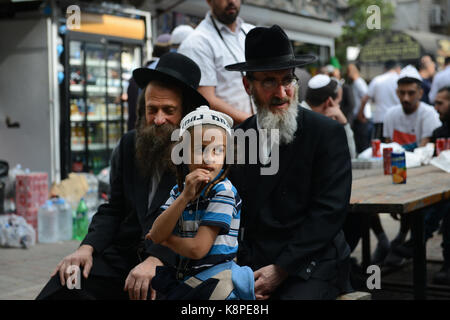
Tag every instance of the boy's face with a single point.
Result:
(208, 146)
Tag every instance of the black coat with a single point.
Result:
(294, 218)
(118, 228)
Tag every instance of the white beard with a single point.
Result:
(285, 122)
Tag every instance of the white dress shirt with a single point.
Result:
(382, 91)
(207, 49)
(440, 80)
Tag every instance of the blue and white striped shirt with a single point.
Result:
(222, 209)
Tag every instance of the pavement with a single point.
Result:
(24, 272)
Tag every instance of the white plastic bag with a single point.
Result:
(16, 232)
(442, 161)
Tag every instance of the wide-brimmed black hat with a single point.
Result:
(178, 69)
(269, 49)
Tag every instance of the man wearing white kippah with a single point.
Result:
(323, 96)
(412, 122)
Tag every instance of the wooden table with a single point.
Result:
(373, 192)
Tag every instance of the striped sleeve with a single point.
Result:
(221, 209)
(172, 197)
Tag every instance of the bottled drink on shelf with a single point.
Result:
(74, 140)
(77, 164)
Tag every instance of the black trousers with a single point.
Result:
(294, 288)
(92, 288)
(105, 281)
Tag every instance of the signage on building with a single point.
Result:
(390, 46)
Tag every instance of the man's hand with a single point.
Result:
(361, 117)
(335, 113)
(139, 279)
(82, 257)
(267, 279)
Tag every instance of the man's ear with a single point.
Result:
(247, 85)
(329, 102)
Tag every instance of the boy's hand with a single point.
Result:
(195, 182)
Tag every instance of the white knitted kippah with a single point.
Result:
(203, 115)
(409, 72)
(319, 81)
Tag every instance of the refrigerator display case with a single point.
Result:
(97, 72)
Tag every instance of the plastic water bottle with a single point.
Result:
(64, 219)
(48, 223)
(81, 221)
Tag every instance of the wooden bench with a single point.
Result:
(357, 295)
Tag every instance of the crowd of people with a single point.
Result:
(208, 229)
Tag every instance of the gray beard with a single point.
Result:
(285, 122)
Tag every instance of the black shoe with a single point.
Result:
(380, 253)
(405, 250)
(442, 277)
(394, 260)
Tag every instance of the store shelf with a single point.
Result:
(77, 147)
(80, 118)
(94, 63)
(97, 146)
(91, 147)
(76, 88)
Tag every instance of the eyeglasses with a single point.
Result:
(272, 84)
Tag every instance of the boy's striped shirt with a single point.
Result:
(221, 209)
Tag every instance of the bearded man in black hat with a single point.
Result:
(291, 224)
(115, 260)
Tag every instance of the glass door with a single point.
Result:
(131, 59)
(77, 106)
(97, 112)
(99, 75)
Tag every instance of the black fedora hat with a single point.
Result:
(178, 69)
(269, 49)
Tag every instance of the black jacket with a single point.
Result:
(119, 226)
(294, 218)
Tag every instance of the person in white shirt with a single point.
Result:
(219, 40)
(359, 87)
(411, 123)
(382, 93)
(440, 80)
(323, 95)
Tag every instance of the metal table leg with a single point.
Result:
(419, 262)
(365, 235)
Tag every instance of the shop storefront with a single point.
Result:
(405, 47)
(64, 87)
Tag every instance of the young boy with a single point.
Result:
(204, 212)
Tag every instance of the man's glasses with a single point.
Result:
(272, 84)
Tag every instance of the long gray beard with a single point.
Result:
(285, 122)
